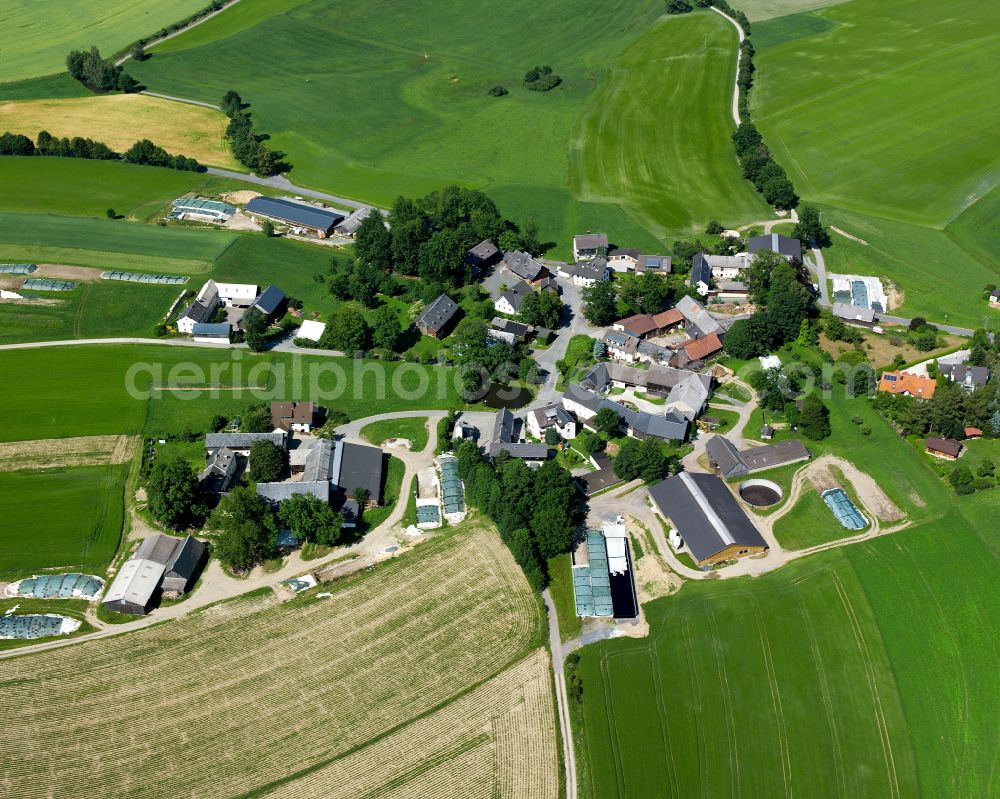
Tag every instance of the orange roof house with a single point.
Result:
(908, 384)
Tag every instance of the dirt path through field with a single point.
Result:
(847, 235)
(67, 272)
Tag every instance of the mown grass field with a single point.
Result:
(413, 429)
(35, 38)
(109, 244)
(93, 310)
(861, 113)
(70, 517)
(74, 187)
(656, 137)
(120, 120)
(390, 100)
(88, 390)
(451, 697)
(768, 9)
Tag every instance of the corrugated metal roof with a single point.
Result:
(295, 213)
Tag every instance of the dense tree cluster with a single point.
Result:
(679, 7)
(99, 74)
(346, 331)
(248, 529)
(172, 493)
(541, 79)
(267, 461)
(255, 330)
(810, 228)
(535, 511)
(607, 301)
(783, 304)
(760, 168)
(431, 235)
(646, 459)
(485, 358)
(147, 153)
(541, 308)
(142, 152)
(311, 519)
(247, 146)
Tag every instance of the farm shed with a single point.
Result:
(946, 448)
(730, 462)
(349, 226)
(211, 333)
(589, 245)
(240, 443)
(438, 317)
(523, 265)
(272, 303)
(180, 558)
(789, 248)
(707, 517)
(311, 330)
(134, 587)
(482, 256)
(300, 217)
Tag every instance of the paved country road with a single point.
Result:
(213, 106)
(739, 56)
(178, 32)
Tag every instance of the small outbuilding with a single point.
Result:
(438, 318)
(946, 448)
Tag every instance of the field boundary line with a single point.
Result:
(661, 708)
(609, 705)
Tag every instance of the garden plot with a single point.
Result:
(285, 690)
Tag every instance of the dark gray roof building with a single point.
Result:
(701, 271)
(730, 462)
(515, 295)
(775, 242)
(294, 213)
(217, 330)
(484, 254)
(276, 493)
(654, 263)
(242, 441)
(523, 265)
(969, 377)
(362, 467)
(520, 450)
(640, 423)
(506, 428)
(180, 558)
(270, 302)
(437, 317)
(707, 517)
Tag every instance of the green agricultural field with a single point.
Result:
(975, 231)
(109, 244)
(768, 9)
(860, 107)
(921, 261)
(656, 137)
(93, 310)
(35, 38)
(413, 429)
(856, 672)
(811, 522)
(87, 390)
(61, 518)
(378, 101)
(74, 187)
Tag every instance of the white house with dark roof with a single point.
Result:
(510, 301)
(523, 264)
(586, 273)
(623, 259)
(552, 416)
(700, 277)
(968, 377)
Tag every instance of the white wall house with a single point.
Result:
(239, 295)
(551, 416)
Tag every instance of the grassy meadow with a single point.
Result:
(120, 120)
(103, 309)
(656, 137)
(76, 187)
(414, 429)
(61, 518)
(940, 272)
(109, 244)
(88, 390)
(35, 37)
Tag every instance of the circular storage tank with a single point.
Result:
(761, 493)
